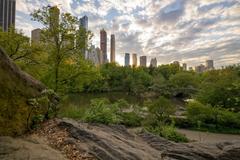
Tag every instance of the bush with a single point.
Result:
(168, 132)
(207, 116)
(159, 112)
(120, 112)
(131, 119)
(101, 111)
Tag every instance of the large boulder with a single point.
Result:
(27, 148)
(116, 142)
(16, 89)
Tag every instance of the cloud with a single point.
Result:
(172, 12)
(187, 31)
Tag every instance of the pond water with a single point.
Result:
(83, 99)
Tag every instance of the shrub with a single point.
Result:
(120, 112)
(159, 112)
(168, 132)
(131, 119)
(211, 117)
(101, 111)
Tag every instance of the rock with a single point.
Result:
(23, 149)
(16, 88)
(115, 142)
(77, 141)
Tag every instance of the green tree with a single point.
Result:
(184, 83)
(220, 88)
(59, 35)
(159, 112)
(17, 46)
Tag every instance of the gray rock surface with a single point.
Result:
(27, 149)
(96, 141)
(117, 143)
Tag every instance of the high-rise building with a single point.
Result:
(54, 17)
(209, 65)
(190, 68)
(7, 14)
(176, 63)
(36, 35)
(143, 61)
(153, 62)
(83, 40)
(112, 48)
(127, 59)
(134, 60)
(103, 44)
(184, 66)
(84, 22)
(199, 69)
(100, 55)
(93, 55)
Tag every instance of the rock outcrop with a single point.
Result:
(16, 88)
(81, 141)
(116, 142)
(32, 148)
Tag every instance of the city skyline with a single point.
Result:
(186, 31)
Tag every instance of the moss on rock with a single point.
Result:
(16, 88)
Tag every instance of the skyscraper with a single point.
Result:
(93, 55)
(36, 35)
(112, 48)
(153, 62)
(134, 60)
(84, 22)
(199, 69)
(176, 63)
(127, 59)
(143, 61)
(184, 66)
(100, 55)
(209, 65)
(83, 27)
(7, 14)
(54, 17)
(103, 44)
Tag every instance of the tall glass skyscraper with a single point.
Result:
(84, 22)
(127, 59)
(83, 25)
(7, 13)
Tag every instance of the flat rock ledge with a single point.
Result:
(116, 142)
(82, 141)
(30, 148)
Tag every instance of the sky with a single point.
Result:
(188, 31)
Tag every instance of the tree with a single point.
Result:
(63, 40)
(184, 83)
(220, 88)
(17, 46)
(160, 111)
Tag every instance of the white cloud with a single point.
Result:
(188, 31)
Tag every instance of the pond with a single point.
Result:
(83, 100)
